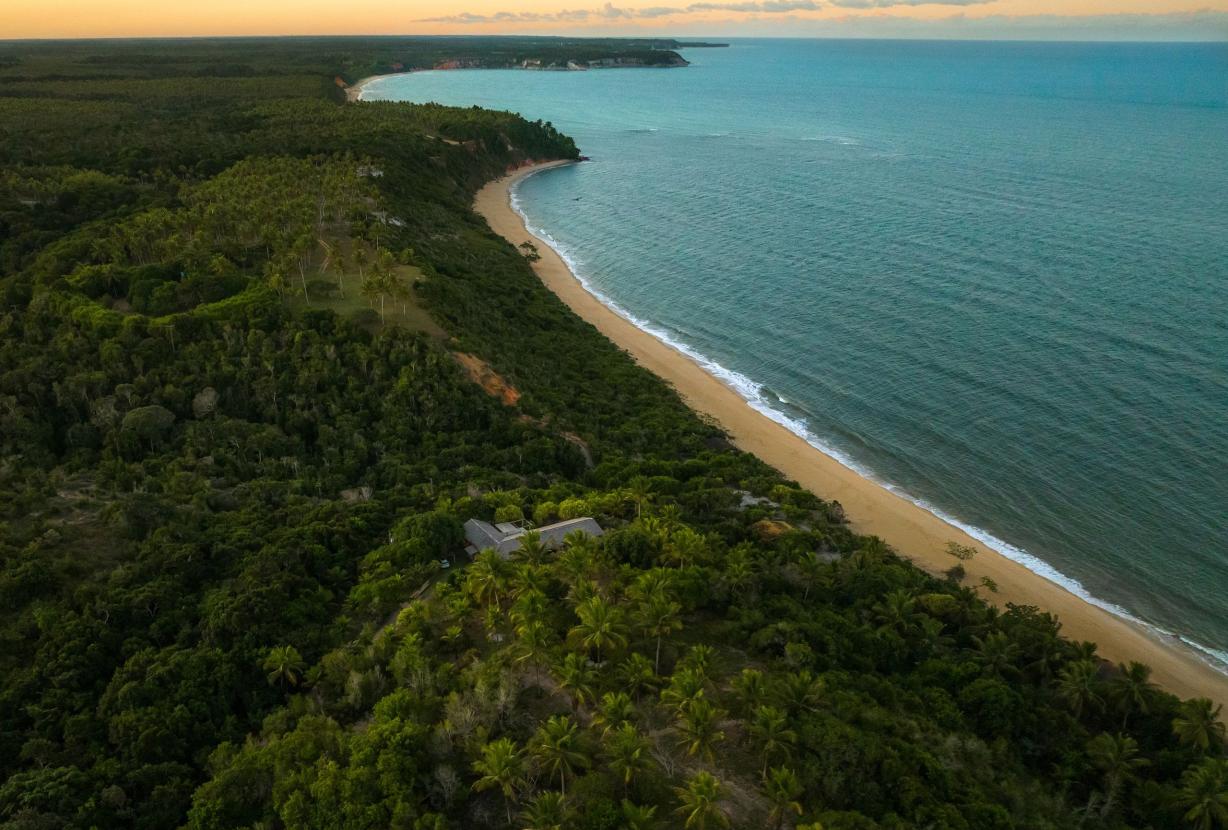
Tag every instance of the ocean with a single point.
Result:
(992, 276)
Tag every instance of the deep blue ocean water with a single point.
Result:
(991, 275)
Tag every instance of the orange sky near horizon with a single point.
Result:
(138, 18)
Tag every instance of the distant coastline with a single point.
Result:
(662, 59)
(872, 508)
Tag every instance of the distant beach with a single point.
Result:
(872, 509)
(353, 92)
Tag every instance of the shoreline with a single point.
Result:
(353, 92)
(915, 533)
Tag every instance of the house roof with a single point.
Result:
(505, 538)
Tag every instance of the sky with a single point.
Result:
(1001, 19)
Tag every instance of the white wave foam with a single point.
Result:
(752, 393)
(842, 140)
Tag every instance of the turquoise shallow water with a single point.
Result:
(993, 276)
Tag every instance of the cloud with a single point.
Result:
(884, 4)
(611, 12)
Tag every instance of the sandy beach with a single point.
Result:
(872, 509)
(353, 92)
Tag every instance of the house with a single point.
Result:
(504, 537)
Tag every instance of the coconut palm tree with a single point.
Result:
(546, 812)
(613, 711)
(501, 767)
(531, 606)
(576, 676)
(739, 571)
(636, 675)
(627, 753)
(600, 626)
(486, 577)
(897, 613)
(998, 654)
(1117, 757)
(685, 687)
(783, 789)
(685, 547)
(700, 658)
(1198, 724)
(533, 641)
(1079, 685)
(284, 667)
(527, 579)
(658, 616)
(655, 581)
(1131, 690)
(556, 748)
(575, 563)
(750, 688)
(813, 571)
(799, 691)
(699, 729)
(532, 549)
(1204, 794)
(639, 493)
(770, 729)
(700, 802)
(637, 817)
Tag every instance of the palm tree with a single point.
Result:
(998, 654)
(531, 606)
(685, 547)
(739, 572)
(637, 817)
(285, 667)
(533, 640)
(750, 688)
(576, 676)
(800, 691)
(701, 802)
(600, 625)
(501, 766)
(1204, 794)
(1079, 685)
(528, 579)
(628, 753)
(770, 728)
(813, 571)
(1132, 690)
(655, 581)
(575, 562)
(485, 578)
(532, 549)
(639, 493)
(614, 710)
(556, 747)
(1117, 757)
(1198, 725)
(700, 658)
(658, 616)
(685, 687)
(699, 730)
(546, 812)
(783, 789)
(897, 613)
(636, 675)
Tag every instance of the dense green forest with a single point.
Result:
(259, 360)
